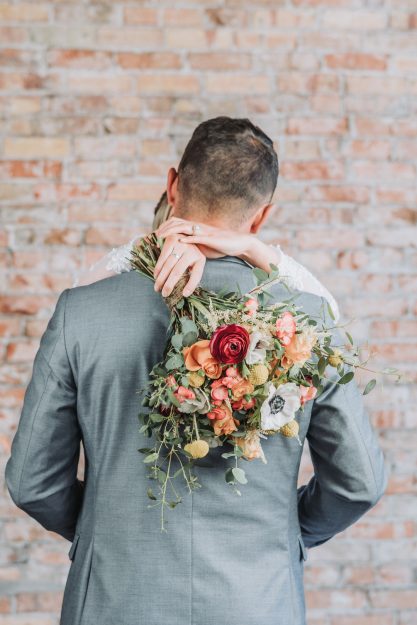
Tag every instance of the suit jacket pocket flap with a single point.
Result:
(303, 548)
(73, 547)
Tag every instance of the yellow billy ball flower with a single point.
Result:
(195, 379)
(258, 374)
(198, 449)
(290, 429)
(335, 359)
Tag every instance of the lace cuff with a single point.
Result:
(114, 262)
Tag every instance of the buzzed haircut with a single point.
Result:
(227, 164)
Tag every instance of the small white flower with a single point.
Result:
(280, 406)
(259, 343)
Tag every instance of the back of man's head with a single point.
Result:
(228, 165)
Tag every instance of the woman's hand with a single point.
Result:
(169, 268)
(216, 242)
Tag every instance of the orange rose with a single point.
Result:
(212, 368)
(300, 346)
(244, 387)
(250, 445)
(223, 420)
(196, 355)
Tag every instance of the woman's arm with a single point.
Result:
(219, 242)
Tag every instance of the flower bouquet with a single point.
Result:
(235, 371)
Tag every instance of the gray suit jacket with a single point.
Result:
(225, 560)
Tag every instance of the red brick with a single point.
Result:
(313, 170)
(21, 352)
(82, 59)
(148, 60)
(314, 126)
(140, 15)
(394, 599)
(356, 60)
(26, 12)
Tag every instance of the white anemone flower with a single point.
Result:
(280, 406)
(259, 343)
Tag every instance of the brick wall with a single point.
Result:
(97, 100)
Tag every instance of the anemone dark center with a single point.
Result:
(276, 404)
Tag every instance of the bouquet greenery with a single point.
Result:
(235, 370)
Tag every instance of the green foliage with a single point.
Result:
(368, 388)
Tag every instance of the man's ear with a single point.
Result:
(172, 187)
(260, 217)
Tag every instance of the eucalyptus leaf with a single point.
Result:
(188, 325)
(156, 417)
(174, 362)
(321, 365)
(151, 457)
(229, 477)
(347, 377)
(368, 388)
(189, 338)
(239, 475)
(176, 341)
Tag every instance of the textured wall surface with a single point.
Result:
(97, 100)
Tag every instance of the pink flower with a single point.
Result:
(242, 404)
(183, 393)
(232, 377)
(251, 306)
(218, 392)
(285, 328)
(307, 393)
(171, 382)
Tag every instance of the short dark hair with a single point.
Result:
(227, 162)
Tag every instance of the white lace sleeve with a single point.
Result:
(116, 261)
(298, 277)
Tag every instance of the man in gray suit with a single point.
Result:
(225, 560)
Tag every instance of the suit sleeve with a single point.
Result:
(41, 473)
(350, 475)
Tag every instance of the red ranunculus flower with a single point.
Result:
(229, 344)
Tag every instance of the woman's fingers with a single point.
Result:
(181, 226)
(201, 239)
(175, 274)
(195, 277)
(165, 271)
(166, 251)
(170, 223)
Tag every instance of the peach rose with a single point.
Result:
(244, 387)
(196, 355)
(250, 445)
(212, 368)
(300, 346)
(223, 420)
